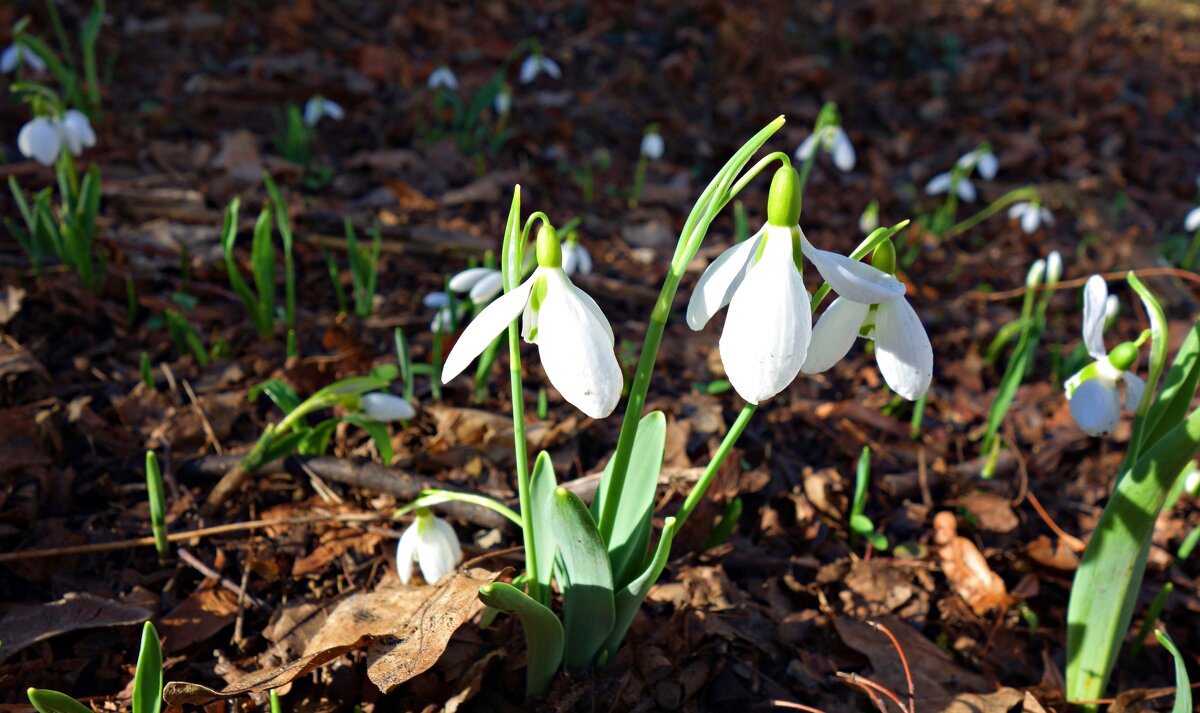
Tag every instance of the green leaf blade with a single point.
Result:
(584, 578)
(544, 637)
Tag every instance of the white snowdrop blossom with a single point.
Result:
(981, 160)
(652, 145)
(18, 54)
(1112, 307)
(1031, 215)
(430, 542)
(1191, 481)
(1192, 221)
(832, 140)
(503, 101)
(318, 108)
(481, 284)
(536, 64)
(870, 304)
(576, 258)
(76, 130)
(448, 315)
(386, 407)
(442, 78)
(942, 183)
(1054, 267)
(40, 139)
(573, 337)
(1092, 392)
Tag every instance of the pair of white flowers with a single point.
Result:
(18, 54)
(43, 138)
(980, 160)
(1092, 392)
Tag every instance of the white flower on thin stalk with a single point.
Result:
(449, 312)
(1192, 221)
(76, 130)
(1092, 392)
(538, 63)
(480, 284)
(574, 338)
(18, 54)
(943, 182)
(442, 78)
(652, 145)
(870, 304)
(1054, 267)
(40, 139)
(386, 407)
(832, 140)
(318, 108)
(1031, 215)
(982, 160)
(576, 258)
(430, 542)
(503, 101)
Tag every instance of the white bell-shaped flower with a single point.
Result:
(40, 139)
(536, 64)
(386, 407)
(430, 542)
(870, 304)
(319, 107)
(1192, 221)
(576, 258)
(503, 101)
(1092, 392)
(574, 338)
(832, 140)
(481, 284)
(1054, 267)
(442, 78)
(18, 54)
(449, 312)
(76, 130)
(943, 182)
(1031, 215)
(652, 145)
(981, 160)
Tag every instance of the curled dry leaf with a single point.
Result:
(27, 624)
(965, 567)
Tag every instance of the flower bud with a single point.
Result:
(884, 257)
(1054, 267)
(869, 220)
(783, 200)
(1034, 277)
(549, 250)
(386, 407)
(1123, 356)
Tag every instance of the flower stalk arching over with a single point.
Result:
(574, 338)
(1092, 391)
(430, 542)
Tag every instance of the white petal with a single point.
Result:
(386, 407)
(1135, 389)
(435, 299)
(1192, 221)
(406, 552)
(494, 319)
(1030, 221)
(334, 110)
(769, 325)
(988, 165)
(450, 539)
(575, 344)
(966, 190)
(806, 147)
(834, 334)
(1095, 294)
(8, 60)
(434, 553)
(1017, 210)
(1095, 407)
(487, 288)
(852, 279)
(32, 59)
(585, 261)
(967, 161)
(1046, 215)
(902, 349)
(40, 140)
(529, 69)
(313, 111)
(843, 152)
(76, 131)
(467, 279)
(719, 281)
(653, 146)
(570, 257)
(938, 184)
(1112, 307)
(550, 67)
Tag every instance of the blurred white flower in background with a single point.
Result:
(832, 140)
(18, 54)
(942, 183)
(652, 145)
(442, 78)
(536, 64)
(318, 108)
(1031, 215)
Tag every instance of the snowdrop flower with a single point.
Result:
(1092, 392)
(40, 140)
(1192, 221)
(1112, 307)
(982, 160)
(574, 339)
(652, 145)
(832, 140)
(1191, 481)
(943, 182)
(18, 54)
(1031, 215)
(76, 130)
(503, 101)
(448, 315)
(318, 108)
(536, 64)
(871, 306)
(386, 407)
(576, 257)
(430, 542)
(481, 284)
(442, 77)
(1054, 267)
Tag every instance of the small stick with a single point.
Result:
(238, 639)
(912, 696)
(879, 704)
(208, 429)
(197, 564)
(1073, 542)
(1080, 281)
(854, 678)
(793, 706)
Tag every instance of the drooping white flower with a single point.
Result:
(982, 160)
(76, 130)
(652, 145)
(1192, 221)
(18, 54)
(442, 78)
(870, 304)
(1054, 267)
(1092, 391)
(481, 284)
(942, 183)
(503, 101)
(538, 63)
(576, 258)
(449, 312)
(832, 140)
(430, 542)
(318, 108)
(574, 338)
(386, 407)
(41, 140)
(1191, 481)
(1031, 215)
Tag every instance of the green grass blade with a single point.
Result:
(635, 504)
(584, 578)
(544, 636)
(46, 701)
(262, 266)
(542, 483)
(147, 679)
(378, 433)
(629, 598)
(158, 505)
(285, 232)
(1183, 685)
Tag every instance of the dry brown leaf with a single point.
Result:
(197, 618)
(1006, 700)
(10, 303)
(27, 624)
(372, 613)
(965, 567)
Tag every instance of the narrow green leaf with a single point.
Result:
(285, 233)
(378, 433)
(544, 635)
(436, 496)
(629, 598)
(46, 701)
(542, 483)
(1183, 685)
(158, 505)
(147, 678)
(1177, 393)
(262, 266)
(316, 440)
(635, 504)
(354, 386)
(276, 707)
(282, 395)
(584, 578)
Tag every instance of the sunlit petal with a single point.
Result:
(1095, 294)
(843, 151)
(1095, 407)
(484, 328)
(719, 281)
(852, 279)
(834, 334)
(406, 552)
(1135, 389)
(1192, 221)
(575, 343)
(902, 349)
(487, 288)
(386, 407)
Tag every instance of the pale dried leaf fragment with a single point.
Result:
(965, 567)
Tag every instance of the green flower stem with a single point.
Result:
(522, 457)
(752, 172)
(437, 496)
(639, 180)
(1190, 257)
(701, 487)
(993, 208)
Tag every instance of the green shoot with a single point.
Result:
(158, 506)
